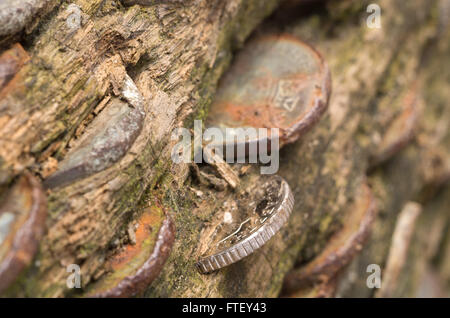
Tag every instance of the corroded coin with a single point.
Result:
(107, 139)
(245, 223)
(401, 130)
(342, 246)
(134, 266)
(275, 82)
(23, 211)
(10, 63)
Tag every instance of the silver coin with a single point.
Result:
(245, 223)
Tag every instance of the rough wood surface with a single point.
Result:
(372, 71)
(175, 53)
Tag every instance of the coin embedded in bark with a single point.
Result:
(138, 263)
(108, 139)
(17, 14)
(342, 246)
(245, 223)
(275, 82)
(10, 63)
(22, 223)
(401, 130)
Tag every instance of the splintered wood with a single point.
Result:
(222, 167)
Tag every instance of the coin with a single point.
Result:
(276, 81)
(245, 223)
(22, 224)
(106, 140)
(132, 268)
(342, 246)
(10, 63)
(400, 131)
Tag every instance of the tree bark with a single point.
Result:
(76, 78)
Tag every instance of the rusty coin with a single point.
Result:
(22, 224)
(138, 263)
(274, 82)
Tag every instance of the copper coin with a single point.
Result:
(274, 82)
(133, 267)
(342, 246)
(22, 224)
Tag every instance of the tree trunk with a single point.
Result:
(144, 68)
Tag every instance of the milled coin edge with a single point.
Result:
(252, 242)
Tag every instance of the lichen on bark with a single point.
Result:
(175, 53)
